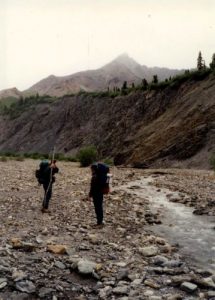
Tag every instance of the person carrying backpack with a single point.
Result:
(45, 176)
(98, 187)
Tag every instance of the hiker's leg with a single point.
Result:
(47, 194)
(98, 204)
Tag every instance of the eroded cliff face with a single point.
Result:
(166, 128)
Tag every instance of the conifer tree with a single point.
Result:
(155, 79)
(144, 84)
(200, 62)
(212, 64)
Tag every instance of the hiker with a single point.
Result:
(98, 187)
(45, 176)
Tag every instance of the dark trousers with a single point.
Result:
(47, 194)
(98, 204)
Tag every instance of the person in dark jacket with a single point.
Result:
(97, 194)
(48, 180)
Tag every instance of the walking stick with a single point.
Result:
(50, 179)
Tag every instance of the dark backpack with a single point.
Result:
(103, 178)
(41, 173)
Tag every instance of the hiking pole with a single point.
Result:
(50, 179)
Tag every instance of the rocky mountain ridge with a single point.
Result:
(113, 74)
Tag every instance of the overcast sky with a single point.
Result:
(43, 37)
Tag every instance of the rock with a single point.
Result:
(56, 249)
(121, 290)
(3, 283)
(123, 274)
(188, 287)
(173, 264)
(209, 282)
(160, 260)
(136, 282)
(211, 294)
(151, 283)
(16, 243)
(86, 267)
(94, 239)
(18, 275)
(148, 293)
(174, 297)
(39, 240)
(178, 280)
(43, 292)
(148, 251)
(121, 264)
(105, 292)
(26, 286)
(60, 265)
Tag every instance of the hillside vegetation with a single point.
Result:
(170, 123)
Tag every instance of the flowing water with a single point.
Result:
(194, 234)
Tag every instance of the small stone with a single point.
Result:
(56, 249)
(25, 286)
(188, 287)
(148, 293)
(18, 275)
(105, 292)
(3, 283)
(16, 243)
(43, 292)
(120, 290)
(174, 297)
(136, 282)
(148, 251)
(60, 265)
(86, 267)
(39, 240)
(211, 294)
(151, 284)
(123, 274)
(160, 260)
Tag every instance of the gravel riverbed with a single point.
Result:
(62, 256)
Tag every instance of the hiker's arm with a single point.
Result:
(54, 169)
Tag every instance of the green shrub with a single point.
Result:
(87, 156)
(109, 161)
(19, 158)
(3, 158)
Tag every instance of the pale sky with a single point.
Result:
(43, 37)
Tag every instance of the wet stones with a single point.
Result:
(148, 251)
(3, 283)
(188, 287)
(26, 286)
